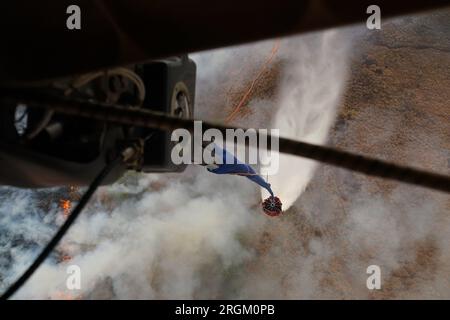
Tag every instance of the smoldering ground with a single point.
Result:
(198, 235)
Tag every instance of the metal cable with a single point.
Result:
(132, 116)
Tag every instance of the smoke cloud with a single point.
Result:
(199, 235)
(310, 91)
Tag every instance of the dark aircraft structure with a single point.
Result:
(41, 148)
(80, 107)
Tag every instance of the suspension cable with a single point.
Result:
(126, 115)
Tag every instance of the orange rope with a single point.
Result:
(263, 68)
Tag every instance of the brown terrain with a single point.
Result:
(395, 107)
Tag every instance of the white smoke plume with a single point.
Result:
(170, 237)
(312, 85)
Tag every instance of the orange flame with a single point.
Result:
(60, 295)
(65, 258)
(66, 205)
